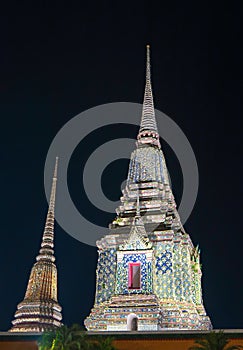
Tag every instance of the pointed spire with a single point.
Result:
(148, 121)
(148, 128)
(46, 251)
(138, 206)
(40, 311)
(53, 188)
(137, 239)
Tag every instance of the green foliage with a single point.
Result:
(103, 343)
(214, 341)
(117, 221)
(64, 338)
(194, 267)
(47, 340)
(73, 338)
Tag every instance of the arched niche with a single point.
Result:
(132, 322)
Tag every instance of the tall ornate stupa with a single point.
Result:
(148, 271)
(40, 311)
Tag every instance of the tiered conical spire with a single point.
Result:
(166, 293)
(40, 311)
(148, 121)
(46, 251)
(148, 132)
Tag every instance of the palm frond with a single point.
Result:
(214, 341)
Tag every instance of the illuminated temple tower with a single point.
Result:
(40, 311)
(148, 271)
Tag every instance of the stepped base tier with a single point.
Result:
(153, 315)
(32, 316)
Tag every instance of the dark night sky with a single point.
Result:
(58, 60)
